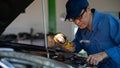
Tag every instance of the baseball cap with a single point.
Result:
(74, 8)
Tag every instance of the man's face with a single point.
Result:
(82, 20)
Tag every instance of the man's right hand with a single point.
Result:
(69, 47)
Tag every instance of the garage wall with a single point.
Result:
(106, 5)
(32, 18)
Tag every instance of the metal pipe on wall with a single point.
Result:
(44, 23)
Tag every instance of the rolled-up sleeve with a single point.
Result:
(76, 41)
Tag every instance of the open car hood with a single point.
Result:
(10, 9)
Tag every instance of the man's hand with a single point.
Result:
(69, 47)
(96, 58)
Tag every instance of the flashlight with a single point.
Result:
(60, 38)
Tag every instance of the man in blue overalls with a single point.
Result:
(98, 34)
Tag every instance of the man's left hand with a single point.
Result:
(94, 59)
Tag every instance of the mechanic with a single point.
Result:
(98, 34)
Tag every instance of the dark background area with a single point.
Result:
(9, 10)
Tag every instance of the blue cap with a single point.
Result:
(74, 8)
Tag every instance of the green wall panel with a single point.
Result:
(52, 16)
